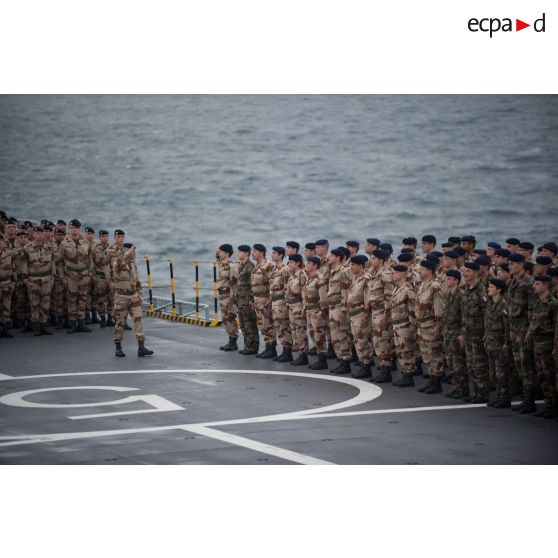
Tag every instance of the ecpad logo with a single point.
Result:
(492, 25)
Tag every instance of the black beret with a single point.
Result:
(50, 224)
(543, 278)
(321, 242)
(38, 228)
(243, 248)
(460, 251)
(226, 248)
(295, 258)
(503, 252)
(11, 221)
(48, 228)
(310, 246)
(410, 240)
(404, 257)
(433, 258)
(543, 260)
(526, 245)
(314, 259)
(528, 266)
(500, 283)
(447, 244)
(468, 238)
(260, 248)
(551, 246)
(513, 241)
(75, 223)
(352, 243)
(483, 260)
(127, 245)
(472, 265)
(437, 254)
(454, 239)
(119, 232)
(26, 223)
(553, 272)
(400, 267)
(505, 267)
(381, 254)
(3, 214)
(102, 231)
(387, 247)
(60, 222)
(453, 255)
(374, 241)
(345, 250)
(360, 259)
(293, 244)
(429, 238)
(407, 251)
(495, 245)
(44, 221)
(479, 251)
(279, 250)
(517, 258)
(428, 264)
(453, 273)
(338, 253)
(89, 229)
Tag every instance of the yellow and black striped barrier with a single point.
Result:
(184, 319)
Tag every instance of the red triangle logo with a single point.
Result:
(519, 25)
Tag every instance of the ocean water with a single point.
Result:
(182, 174)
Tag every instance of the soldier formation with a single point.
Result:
(480, 320)
(53, 275)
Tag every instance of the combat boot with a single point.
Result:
(103, 322)
(343, 368)
(67, 324)
(384, 377)
(406, 380)
(126, 326)
(81, 327)
(27, 327)
(435, 387)
(502, 404)
(52, 320)
(60, 324)
(321, 363)
(16, 324)
(87, 316)
(6, 330)
(248, 352)
(312, 352)
(354, 355)
(269, 352)
(36, 329)
(110, 321)
(73, 327)
(286, 355)
(143, 350)
(95, 317)
(528, 406)
(119, 352)
(427, 385)
(479, 400)
(231, 345)
(44, 330)
(330, 352)
(460, 394)
(300, 360)
(363, 372)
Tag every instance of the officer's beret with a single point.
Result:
(483, 260)
(517, 258)
(338, 253)
(459, 250)
(321, 242)
(381, 254)
(500, 283)
(551, 246)
(479, 251)
(472, 265)
(119, 232)
(345, 250)
(407, 251)
(505, 267)
(260, 248)
(452, 255)
(468, 238)
(374, 241)
(447, 244)
(89, 230)
(526, 245)
(44, 221)
(503, 252)
(310, 246)
(387, 247)
(360, 259)
(433, 258)
(127, 245)
(553, 272)
(453, 273)
(543, 260)
(294, 258)
(404, 257)
(543, 278)
(293, 244)
(513, 241)
(400, 267)
(26, 223)
(437, 254)
(494, 245)
(428, 264)
(38, 228)
(279, 250)
(102, 232)
(454, 239)
(528, 266)
(75, 223)
(314, 259)
(226, 248)
(429, 238)
(61, 222)
(410, 240)
(50, 224)
(352, 243)
(11, 221)
(243, 248)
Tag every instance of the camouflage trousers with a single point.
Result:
(340, 327)
(545, 366)
(124, 305)
(262, 306)
(76, 295)
(103, 296)
(477, 363)
(382, 336)
(249, 327)
(456, 360)
(361, 330)
(523, 356)
(297, 321)
(319, 334)
(228, 315)
(6, 290)
(90, 297)
(58, 305)
(404, 340)
(281, 325)
(39, 298)
(499, 370)
(429, 340)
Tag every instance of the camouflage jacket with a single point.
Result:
(325, 269)
(244, 287)
(357, 295)
(101, 260)
(260, 279)
(113, 251)
(496, 325)
(402, 305)
(76, 258)
(314, 293)
(38, 261)
(125, 275)
(379, 288)
(295, 284)
(473, 304)
(278, 281)
(520, 301)
(429, 302)
(542, 324)
(452, 323)
(338, 286)
(227, 279)
(7, 271)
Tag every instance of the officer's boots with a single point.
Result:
(143, 350)
(300, 360)
(321, 363)
(406, 380)
(384, 376)
(343, 368)
(435, 386)
(119, 352)
(231, 345)
(286, 355)
(269, 352)
(363, 372)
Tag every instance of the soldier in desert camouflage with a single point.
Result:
(7, 281)
(279, 310)
(101, 279)
(297, 316)
(227, 280)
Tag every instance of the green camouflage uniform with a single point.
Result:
(451, 330)
(246, 315)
